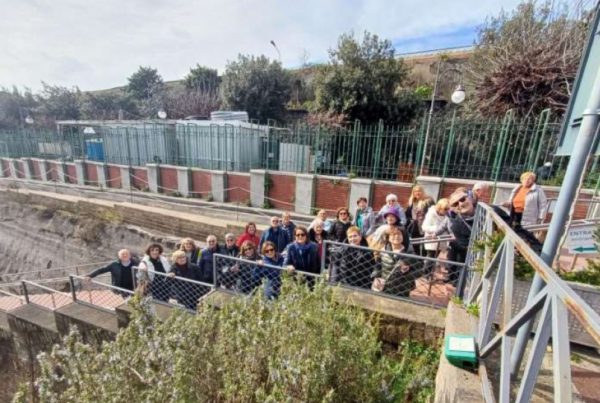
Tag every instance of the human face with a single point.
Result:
(395, 238)
(285, 219)
(249, 252)
(154, 253)
(301, 237)
(251, 229)
(528, 181)
(391, 219)
(212, 243)
(124, 256)
(417, 194)
(188, 246)
(462, 204)
(391, 202)
(181, 261)
(362, 204)
(318, 229)
(343, 215)
(354, 238)
(442, 210)
(230, 241)
(322, 215)
(275, 222)
(269, 251)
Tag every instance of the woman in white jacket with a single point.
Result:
(527, 202)
(154, 262)
(432, 222)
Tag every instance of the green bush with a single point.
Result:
(304, 347)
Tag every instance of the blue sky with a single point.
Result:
(97, 45)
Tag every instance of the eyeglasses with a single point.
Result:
(300, 234)
(269, 250)
(461, 200)
(343, 213)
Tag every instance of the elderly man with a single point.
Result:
(459, 224)
(206, 259)
(275, 234)
(120, 271)
(479, 191)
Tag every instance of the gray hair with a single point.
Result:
(229, 235)
(211, 238)
(481, 186)
(391, 196)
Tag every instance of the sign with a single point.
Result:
(581, 239)
(589, 66)
(460, 351)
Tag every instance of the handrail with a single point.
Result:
(95, 297)
(52, 292)
(56, 269)
(494, 290)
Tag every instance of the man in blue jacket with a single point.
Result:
(275, 234)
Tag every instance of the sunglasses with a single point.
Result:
(300, 234)
(461, 200)
(269, 250)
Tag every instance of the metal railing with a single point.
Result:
(483, 149)
(169, 289)
(490, 284)
(244, 276)
(410, 277)
(10, 301)
(43, 296)
(101, 295)
(63, 272)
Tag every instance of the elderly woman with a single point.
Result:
(322, 217)
(303, 255)
(154, 262)
(248, 252)
(527, 202)
(340, 225)
(186, 292)
(391, 200)
(192, 252)
(356, 264)
(395, 275)
(226, 276)
(248, 235)
(317, 234)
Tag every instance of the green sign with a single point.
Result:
(460, 351)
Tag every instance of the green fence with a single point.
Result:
(497, 149)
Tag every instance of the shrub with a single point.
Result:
(302, 347)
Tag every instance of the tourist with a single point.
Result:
(391, 216)
(364, 218)
(396, 275)
(356, 265)
(418, 205)
(287, 225)
(192, 251)
(248, 235)
(187, 293)
(121, 274)
(246, 270)
(527, 202)
(276, 235)
(206, 259)
(317, 235)
(434, 219)
(227, 276)
(391, 200)
(155, 262)
(322, 217)
(270, 257)
(340, 225)
(479, 192)
(303, 255)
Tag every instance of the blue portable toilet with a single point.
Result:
(94, 149)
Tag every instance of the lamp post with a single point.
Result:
(162, 114)
(458, 96)
(277, 49)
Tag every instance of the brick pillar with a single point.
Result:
(305, 193)
(183, 181)
(219, 184)
(43, 166)
(12, 167)
(257, 187)
(359, 188)
(80, 171)
(125, 177)
(153, 177)
(27, 168)
(101, 170)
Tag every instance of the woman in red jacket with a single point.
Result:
(249, 235)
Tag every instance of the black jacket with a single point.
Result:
(338, 231)
(121, 276)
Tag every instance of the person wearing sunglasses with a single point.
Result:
(225, 270)
(245, 270)
(276, 235)
(459, 224)
(302, 255)
(270, 257)
(340, 225)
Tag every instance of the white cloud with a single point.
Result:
(99, 44)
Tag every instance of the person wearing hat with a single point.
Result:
(392, 217)
(391, 200)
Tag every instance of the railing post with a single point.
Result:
(214, 271)
(73, 293)
(25, 292)
(323, 255)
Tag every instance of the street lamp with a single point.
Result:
(458, 96)
(162, 114)
(277, 49)
(29, 120)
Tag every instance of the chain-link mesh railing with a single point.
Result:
(244, 276)
(43, 296)
(96, 293)
(54, 272)
(398, 275)
(167, 288)
(10, 300)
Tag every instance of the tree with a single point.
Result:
(15, 106)
(58, 103)
(364, 81)
(527, 60)
(180, 103)
(202, 78)
(256, 85)
(145, 83)
(107, 105)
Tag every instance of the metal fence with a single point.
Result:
(405, 276)
(44, 296)
(55, 272)
(491, 286)
(485, 149)
(91, 292)
(166, 288)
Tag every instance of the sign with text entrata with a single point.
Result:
(581, 239)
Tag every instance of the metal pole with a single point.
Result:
(430, 115)
(450, 144)
(585, 143)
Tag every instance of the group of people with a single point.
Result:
(370, 250)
